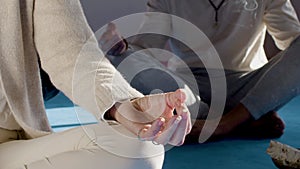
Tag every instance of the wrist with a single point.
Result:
(111, 114)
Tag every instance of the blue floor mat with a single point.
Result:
(228, 154)
(236, 154)
(63, 114)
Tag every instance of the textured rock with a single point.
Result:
(284, 156)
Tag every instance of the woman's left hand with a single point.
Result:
(111, 41)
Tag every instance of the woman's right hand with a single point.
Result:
(165, 127)
(111, 41)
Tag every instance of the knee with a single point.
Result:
(147, 163)
(144, 82)
(117, 161)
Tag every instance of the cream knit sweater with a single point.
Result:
(57, 32)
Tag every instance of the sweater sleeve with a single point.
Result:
(282, 22)
(69, 53)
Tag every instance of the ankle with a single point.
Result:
(235, 117)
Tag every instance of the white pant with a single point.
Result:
(89, 147)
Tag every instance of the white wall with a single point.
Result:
(100, 12)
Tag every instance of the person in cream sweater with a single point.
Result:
(130, 133)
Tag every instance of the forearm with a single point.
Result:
(69, 53)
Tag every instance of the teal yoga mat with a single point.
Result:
(227, 154)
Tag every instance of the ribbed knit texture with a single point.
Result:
(57, 32)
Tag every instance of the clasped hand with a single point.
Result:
(152, 117)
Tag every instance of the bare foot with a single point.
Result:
(268, 126)
(238, 123)
(193, 138)
(228, 123)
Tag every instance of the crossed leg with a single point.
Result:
(269, 89)
(93, 146)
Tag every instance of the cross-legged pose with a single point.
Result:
(257, 86)
(132, 128)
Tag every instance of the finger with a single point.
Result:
(160, 104)
(107, 35)
(110, 42)
(110, 37)
(179, 135)
(176, 98)
(184, 111)
(173, 100)
(111, 26)
(109, 32)
(169, 130)
(149, 133)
